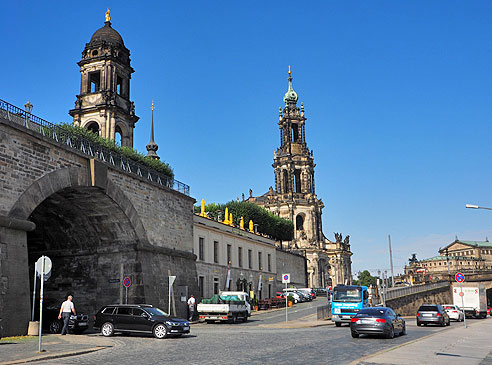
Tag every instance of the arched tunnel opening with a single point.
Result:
(91, 243)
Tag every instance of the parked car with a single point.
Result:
(377, 321)
(432, 313)
(320, 292)
(280, 295)
(51, 308)
(453, 312)
(305, 297)
(296, 296)
(139, 318)
(308, 291)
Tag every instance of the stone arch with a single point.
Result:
(122, 128)
(300, 221)
(72, 177)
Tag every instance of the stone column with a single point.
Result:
(15, 293)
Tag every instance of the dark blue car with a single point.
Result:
(377, 321)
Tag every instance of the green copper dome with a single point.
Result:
(290, 96)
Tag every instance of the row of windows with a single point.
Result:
(443, 263)
(216, 248)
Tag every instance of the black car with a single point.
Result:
(139, 318)
(377, 321)
(432, 313)
(76, 324)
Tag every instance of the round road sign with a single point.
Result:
(461, 294)
(459, 277)
(127, 282)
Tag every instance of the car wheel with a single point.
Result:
(448, 323)
(419, 324)
(354, 334)
(245, 317)
(338, 324)
(403, 330)
(234, 318)
(107, 329)
(160, 331)
(443, 323)
(391, 333)
(55, 326)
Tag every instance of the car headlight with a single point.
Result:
(169, 323)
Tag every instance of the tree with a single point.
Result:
(366, 279)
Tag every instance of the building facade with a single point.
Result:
(294, 198)
(464, 256)
(251, 259)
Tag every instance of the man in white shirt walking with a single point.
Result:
(66, 309)
(191, 307)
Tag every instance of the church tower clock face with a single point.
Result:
(103, 105)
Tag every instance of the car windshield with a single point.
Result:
(156, 311)
(374, 312)
(428, 308)
(347, 295)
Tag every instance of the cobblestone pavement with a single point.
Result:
(246, 344)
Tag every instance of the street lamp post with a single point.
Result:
(473, 206)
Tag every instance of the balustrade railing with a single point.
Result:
(87, 147)
(401, 292)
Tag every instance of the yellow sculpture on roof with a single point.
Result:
(202, 209)
(241, 223)
(226, 216)
(251, 226)
(230, 219)
(108, 16)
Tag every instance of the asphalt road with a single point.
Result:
(252, 342)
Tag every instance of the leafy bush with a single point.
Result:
(127, 152)
(290, 298)
(279, 228)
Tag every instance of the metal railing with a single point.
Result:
(87, 147)
(401, 292)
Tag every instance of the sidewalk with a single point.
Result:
(457, 345)
(25, 349)
(304, 322)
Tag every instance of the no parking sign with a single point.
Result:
(286, 278)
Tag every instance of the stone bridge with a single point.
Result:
(96, 214)
(407, 300)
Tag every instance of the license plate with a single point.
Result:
(346, 317)
(361, 321)
(186, 328)
(82, 323)
(427, 314)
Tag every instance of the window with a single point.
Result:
(138, 312)
(229, 259)
(93, 127)
(259, 261)
(118, 136)
(201, 248)
(295, 133)
(297, 177)
(269, 263)
(240, 256)
(216, 285)
(250, 259)
(125, 311)
(119, 82)
(108, 310)
(201, 283)
(94, 82)
(285, 181)
(216, 251)
(299, 223)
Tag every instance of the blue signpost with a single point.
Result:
(126, 283)
(459, 277)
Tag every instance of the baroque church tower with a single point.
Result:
(103, 105)
(294, 198)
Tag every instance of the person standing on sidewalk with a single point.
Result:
(66, 309)
(191, 307)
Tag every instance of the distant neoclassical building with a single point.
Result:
(464, 256)
(294, 198)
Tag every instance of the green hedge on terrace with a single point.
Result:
(278, 228)
(157, 165)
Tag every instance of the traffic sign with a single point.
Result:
(461, 293)
(286, 278)
(127, 282)
(459, 277)
(47, 267)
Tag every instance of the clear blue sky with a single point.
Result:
(397, 96)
